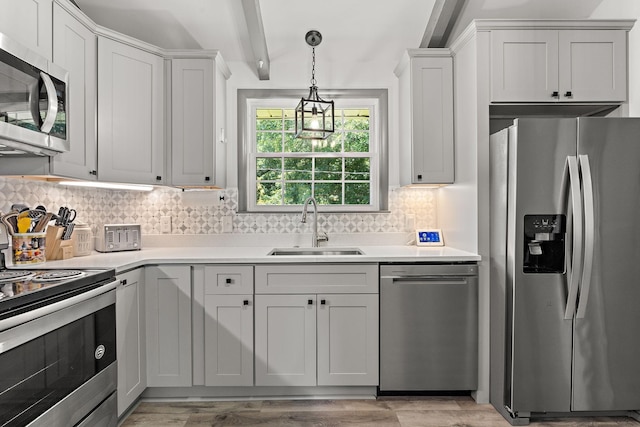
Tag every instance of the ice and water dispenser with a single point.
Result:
(544, 243)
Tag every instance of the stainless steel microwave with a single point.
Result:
(33, 102)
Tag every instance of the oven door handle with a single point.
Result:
(31, 315)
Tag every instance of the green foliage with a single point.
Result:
(295, 193)
(357, 193)
(268, 193)
(297, 169)
(328, 193)
(268, 169)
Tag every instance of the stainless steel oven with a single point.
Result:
(58, 350)
(33, 102)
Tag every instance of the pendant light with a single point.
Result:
(314, 115)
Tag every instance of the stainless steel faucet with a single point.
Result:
(315, 238)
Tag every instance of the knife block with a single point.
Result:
(57, 248)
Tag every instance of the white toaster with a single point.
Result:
(118, 237)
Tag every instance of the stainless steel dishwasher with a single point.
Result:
(428, 327)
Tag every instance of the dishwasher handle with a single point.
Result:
(426, 280)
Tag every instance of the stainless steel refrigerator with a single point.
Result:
(565, 268)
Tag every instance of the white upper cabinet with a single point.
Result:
(75, 50)
(29, 22)
(426, 117)
(543, 65)
(130, 113)
(197, 120)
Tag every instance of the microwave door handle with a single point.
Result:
(576, 215)
(52, 102)
(589, 234)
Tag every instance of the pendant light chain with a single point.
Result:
(313, 66)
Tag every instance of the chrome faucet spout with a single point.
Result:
(315, 238)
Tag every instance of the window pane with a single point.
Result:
(269, 142)
(328, 169)
(356, 142)
(296, 145)
(357, 193)
(269, 119)
(356, 119)
(297, 169)
(268, 169)
(328, 193)
(289, 120)
(332, 144)
(268, 193)
(295, 193)
(357, 169)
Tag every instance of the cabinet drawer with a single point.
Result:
(228, 279)
(314, 278)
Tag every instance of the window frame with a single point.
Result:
(250, 99)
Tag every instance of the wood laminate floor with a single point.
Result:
(456, 411)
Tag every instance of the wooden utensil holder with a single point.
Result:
(56, 247)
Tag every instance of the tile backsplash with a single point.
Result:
(198, 213)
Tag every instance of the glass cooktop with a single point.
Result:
(24, 290)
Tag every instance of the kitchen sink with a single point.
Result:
(315, 251)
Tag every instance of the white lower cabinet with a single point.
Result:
(168, 325)
(348, 339)
(285, 353)
(324, 339)
(228, 324)
(130, 338)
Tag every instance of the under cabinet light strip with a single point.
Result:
(107, 185)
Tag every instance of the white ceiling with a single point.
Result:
(354, 31)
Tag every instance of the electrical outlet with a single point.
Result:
(165, 224)
(227, 224)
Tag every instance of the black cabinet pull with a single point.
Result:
(419, 176)
(93, 172)
(124, 282)
(323, 301)
(310, 302)
(555, 94)
(245, 302)
(158, 178)
(228, 280)
(568, 94)
(207, 178)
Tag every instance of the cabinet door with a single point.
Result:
(75, 50)
(432, 120)
(593, 65)
(228, 340)
(130, 338)
(285, 344)
(130, 114)
(29, 23)
(193, 121)
(348, 340)
(168, 326)
(524, 65)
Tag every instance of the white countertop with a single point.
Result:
(123, 261)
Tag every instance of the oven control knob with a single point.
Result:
(99, 352)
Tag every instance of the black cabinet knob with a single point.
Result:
(568, 94)
(207, 178)
(228, 280)
(245, 302)
(310, 302)
(158, 178)
(123, 282)
(419, 176)
(93, 172)
(555, 94)
(323, 301)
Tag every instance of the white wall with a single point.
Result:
(626, 9)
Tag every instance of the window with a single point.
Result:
(345, 172)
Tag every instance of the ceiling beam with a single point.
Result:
(257, 38)
(444, 16)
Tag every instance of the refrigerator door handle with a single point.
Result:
(575, 211)
(589, 233)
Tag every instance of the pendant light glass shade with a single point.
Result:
(315, 117)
